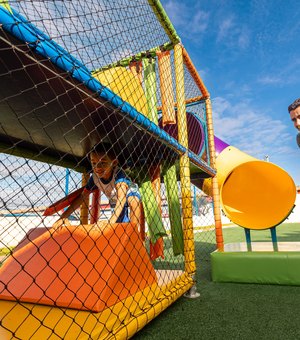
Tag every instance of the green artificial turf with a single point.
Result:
(230, 310)
(287, 232)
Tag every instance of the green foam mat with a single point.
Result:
(236, 264)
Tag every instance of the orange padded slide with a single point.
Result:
(84, 267)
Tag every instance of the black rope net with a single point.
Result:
(93, 217)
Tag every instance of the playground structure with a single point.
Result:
(65, 93)
(75, 76)
(256, 195)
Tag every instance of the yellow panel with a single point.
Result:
(120, 321)
(126, 85)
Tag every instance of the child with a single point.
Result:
(113, 183)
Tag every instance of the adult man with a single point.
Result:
(294, 110)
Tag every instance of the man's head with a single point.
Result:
(103, 162)
(294, 110)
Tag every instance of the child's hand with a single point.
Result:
(58, 225)
(101, 224)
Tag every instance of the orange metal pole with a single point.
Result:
(215, 187)
(136, 69)
(84, 208)
(194, 73)
(95, 206)
(211, 144)
(166, 87)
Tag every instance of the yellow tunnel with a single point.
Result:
(254, 194)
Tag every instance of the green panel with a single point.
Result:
(152, 212)
(280, 268)
(170, 180)
(150, 88)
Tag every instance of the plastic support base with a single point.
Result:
(192, 293)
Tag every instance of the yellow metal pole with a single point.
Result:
(84, 209)
(211, 145)
(187, 211)
(214, 187)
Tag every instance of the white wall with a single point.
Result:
(295, 215)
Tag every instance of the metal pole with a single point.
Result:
(67, 181)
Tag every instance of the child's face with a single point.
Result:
(102, 165)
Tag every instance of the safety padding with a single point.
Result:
(84, 267)
(30, 236)
(263, 267)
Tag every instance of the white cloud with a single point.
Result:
(249, 129)
(231, 33)
(244, 38)
(199, 22)
(191, 20)
(281, 76)
(97, 32)
(269, 79)
(224, 28)
(175, 11)
(26, 183)
(289, 32)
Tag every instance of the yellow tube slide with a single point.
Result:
(254, 194)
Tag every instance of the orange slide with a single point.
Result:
(84, 267)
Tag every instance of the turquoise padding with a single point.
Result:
(280, 268)
(41, 44)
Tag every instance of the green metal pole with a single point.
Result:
(139, 56)
(150, 88)
(164, 21)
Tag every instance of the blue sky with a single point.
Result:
(248, 55)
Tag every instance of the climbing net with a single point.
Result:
(103, 127)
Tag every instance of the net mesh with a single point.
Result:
(96, 200)
(96, 32)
